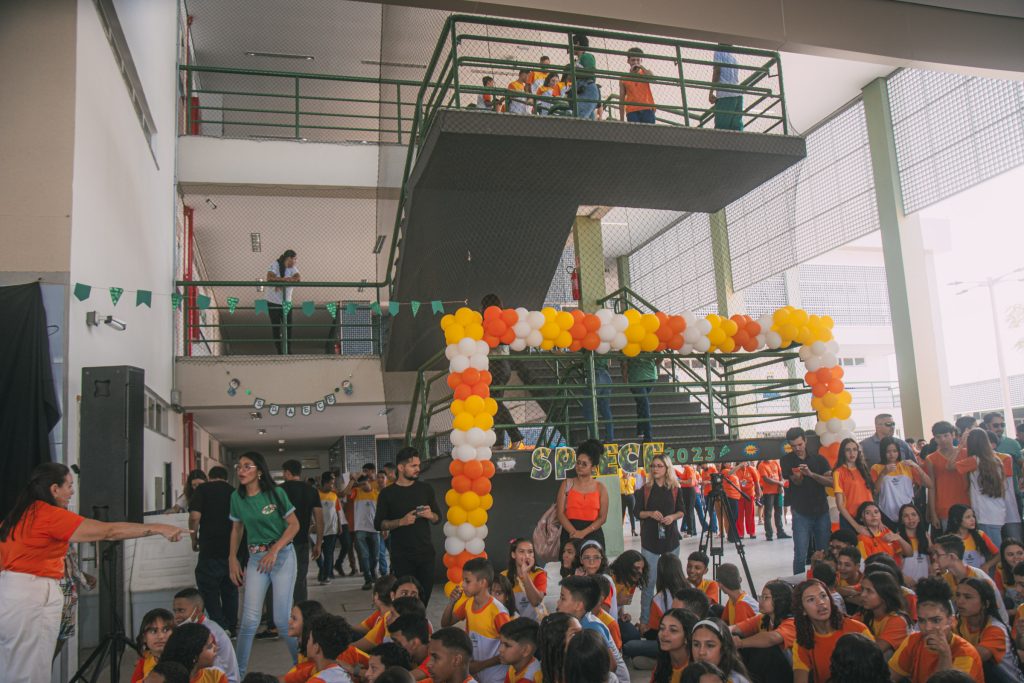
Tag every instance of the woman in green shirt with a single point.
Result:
(264, 513)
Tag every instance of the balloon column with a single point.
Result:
(470, 336)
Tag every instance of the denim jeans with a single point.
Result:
(604, 404)
(648, 591)
(641, 116)
(702, 515)
(587, 90)
(367, 542)
(806, 529)
(772, 510)
(383, 546)
(642, 398)
(326, 560)
(282, 577)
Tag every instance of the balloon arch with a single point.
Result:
(470, 336)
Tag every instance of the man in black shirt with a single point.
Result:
(307, 507)
(208, 520)
(808, 475)
(406, 509)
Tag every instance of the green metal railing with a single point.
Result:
(221, 329)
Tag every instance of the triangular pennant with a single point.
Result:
(175, 300)
(82, 291)
(115, 294)
(144, 297)
(436, 307)
(414, 306)
(375, 308)
(287, 307)
(260, 306)
(232, 304)
(308, 307)
(202, 302)
(393, 307)
(332, 308)
(350, 308)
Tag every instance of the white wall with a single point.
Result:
(122, 225)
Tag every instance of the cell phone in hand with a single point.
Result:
(421, 508)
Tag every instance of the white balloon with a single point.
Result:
(691, 334)
(701, 345)
(835, 425)
(483, 347)
(464, 453)
(804, 353)
(534, 338)
(475, 437)
(773, 339)
(451, 351)
(848, 425)
(832, 346)
(536, 319)
(522, 312)
(603, 347)
(481, 531)
(478, 361)
(476, 546)
(454, 545)
(518, 344)
(821, 428)
(466, 531)
(449, 529)
(762, 340)
(829, 439)
(704, 325)
(817, 348)
(620, 322)
(458, 437)
(459, 364)
(467, 346)
(619, 342)
(522, 328)
(685, 349)
(813, 364)
(689, 317)
(829, 360)
(491, 438)
(606, 333)
(482, 453)
(605, 315)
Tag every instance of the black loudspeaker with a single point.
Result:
(112, 419)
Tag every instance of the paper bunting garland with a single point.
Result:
(436, 307)
(305, 409)
(332, 308)
(393, 307)
(308, 307)
(260, 306)
(175, 300)
(82, 291)
(287, 307)
(414, 306)
(144, 297)
(232, 303)
(202, 302)
(115, 294)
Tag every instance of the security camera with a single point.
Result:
(118, 325)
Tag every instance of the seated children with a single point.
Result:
(518, 651)
(384, 656)
(189, 607)
(740, 606)
(412, 632)
(299, 622)
(578, 597)
(329, 636)
(484, 617)
(819, 624)
(193, 646)
(450, 653)
(696, 567)
(157, 626)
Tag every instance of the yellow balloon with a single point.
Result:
(633, 316)
(781, 316)
(565, 320)
(454, 333)
(474, 405)
(475, 331)
(457, 515)
(490, 406)
(830, 400)
(825, 414)
(463, 422)
(842, 411)
(550, 330)
(845, 397)
(483, 421)
(728, 345)
(447, 320)
(650, 322)
(635, 333)
(631, 350)
(827, 321)
(649, 342)
(458, 407)
(714, 319)
(788, 332)
(716, 336)
(469, 500)
(564, 339)
(451, 498)
(486, 501)
(464, 316)
(816, 403)
(730, 327)
(477, 517)
(549, 314)
(547, 344)
(800, 316)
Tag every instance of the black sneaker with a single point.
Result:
(784, 535)
(267, 634)
(367, 586)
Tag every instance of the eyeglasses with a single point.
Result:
(998, 425)
(246, 467)
(889, 424)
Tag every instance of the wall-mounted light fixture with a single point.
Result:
(93, 319)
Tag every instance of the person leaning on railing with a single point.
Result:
(588, 94)
(34, 539)
(727, 104)
(633, 91)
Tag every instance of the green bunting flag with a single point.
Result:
(375, 307)
(350, 308)
(144, 297)
(202, 302)
(436, 307)
(232, 304)
(82, 292)
(260, 306)
(287, 307)
(393, 307)
(414, 306)
(115, 294)
(175, 300)
(308, 307)
(332, 308)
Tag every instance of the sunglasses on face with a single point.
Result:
(889, 424)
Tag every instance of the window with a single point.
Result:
(156, 413)
(847, 362)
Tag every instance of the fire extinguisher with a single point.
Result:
(574, 281)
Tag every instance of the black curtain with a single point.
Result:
(28, 402)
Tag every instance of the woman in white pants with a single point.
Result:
(34, 538)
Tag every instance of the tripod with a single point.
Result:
(714, 544)
(111, 648)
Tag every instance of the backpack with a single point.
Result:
(547, 535)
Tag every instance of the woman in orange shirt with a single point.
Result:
(852, 484)
(879, 538)
(582, 503)
(978, 623)
(157, 626)
(884, 611)
(193, 646)
(689, 478)
(819, 624)
(34, 538)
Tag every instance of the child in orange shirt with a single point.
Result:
(696, 567)
(299, 623)
(484, 617)
(194, 647)
(329, 636)
(883, 611)
(517, 650)
(157, 626)
(819, 625)
(740, 606)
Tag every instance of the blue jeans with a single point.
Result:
(702, 514)
(642, 398)
(640, 116)
(804, 530)
(994, 531)
(326, 560)
(648, 591)
(384, 545)
(368, 544)
(282, 577)
(604, 404)
(587, 90)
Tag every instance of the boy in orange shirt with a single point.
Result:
(518, 646)
(696, 567)
(740, 606)
(329, 636)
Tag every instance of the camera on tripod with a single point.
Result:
(716, 480)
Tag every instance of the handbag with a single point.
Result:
(547, 535)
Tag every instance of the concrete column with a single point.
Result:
(588, 243)
(907, 277)
(622, 270)
(728, 301)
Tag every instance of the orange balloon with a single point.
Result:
(676, 342)
(510, 316)
(454, 380)
(455, 574)
(463, 557)
(481, 486)
(495, 327)
(751, 344)
(470, 376)
(488, 468)
(576, 345)
(577, 315)
(578, 331)
(447, 560)
(591, 322)
(824, 375)
(591, 341)
(677, 324)
(837, 372)
(811, 378)
(819, 390)
(482, 390)
(485, 377)
(463, 391)
(508, 337)
(456, 468)
(461, 483)
(473, 469)
(836, 386)
(492, 312)
(491, 340)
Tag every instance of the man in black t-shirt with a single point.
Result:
(808, 475)
(208, 520)
(406, 509)
(307, 508)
